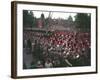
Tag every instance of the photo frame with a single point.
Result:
(50, 39)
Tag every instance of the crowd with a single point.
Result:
(58, 48)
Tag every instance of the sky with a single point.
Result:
(54, 15)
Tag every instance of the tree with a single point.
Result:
(25, 18)
(70, 21)
(83, 21)
(32, 19)
(28, 19)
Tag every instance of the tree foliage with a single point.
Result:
(28, 19)
(83, 21)
(70, 21)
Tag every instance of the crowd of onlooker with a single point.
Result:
(58, 48)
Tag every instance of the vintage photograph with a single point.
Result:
(56, 39)
(50, 39)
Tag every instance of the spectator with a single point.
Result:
(48, 64)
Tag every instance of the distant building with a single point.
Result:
(40, 23)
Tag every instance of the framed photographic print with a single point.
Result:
(49, 39)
